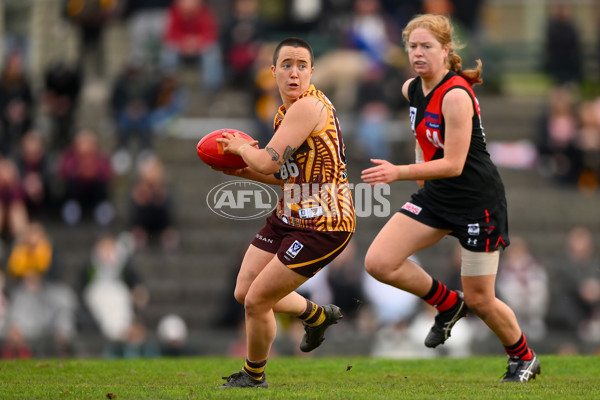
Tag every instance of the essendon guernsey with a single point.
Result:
(479, 185)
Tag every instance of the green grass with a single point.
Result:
(563, 377)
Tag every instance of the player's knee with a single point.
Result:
(240, 295)
(253, 305)
(377, 266)
(371, 265)
(478, 303)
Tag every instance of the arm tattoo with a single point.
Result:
(274, 154)
(289, 151)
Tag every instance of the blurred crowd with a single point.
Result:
(568, 131)
(56, 169)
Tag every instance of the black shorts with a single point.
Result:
(479, 231)
(305, 251)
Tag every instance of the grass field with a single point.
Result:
(563, 377)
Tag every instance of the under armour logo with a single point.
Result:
(472, 242)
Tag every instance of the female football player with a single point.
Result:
(462, 195)
(313, 221)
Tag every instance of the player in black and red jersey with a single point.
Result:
(462, 195)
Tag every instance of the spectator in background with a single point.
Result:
(192, 34)
(16, 103)
(169, 104)
(345, 278)
(41, 318)
(265, 94)
(172, 334)
(588, 142)
(368, 40)
(559, 156)
(303, 16)
(242, 42)
(113, 292)
(576, 300)
(146, 20)
(523, 285)
(132, 101)
(85, 171)
(374, 115)
(16, 28)
(372, 32)
(91, 18)
(61, 93)
(151, 207)
(32, 252)
(36, 175)
(563, 59)
(13, 211)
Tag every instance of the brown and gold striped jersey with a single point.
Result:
(316, 194)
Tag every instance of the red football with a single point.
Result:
(211, 152)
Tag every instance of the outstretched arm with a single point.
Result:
(457, 109)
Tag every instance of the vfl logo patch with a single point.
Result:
(432, 120)
(294, 249)
(413, 117)
(410, 207)
(473, 229)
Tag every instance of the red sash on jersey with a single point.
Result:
(430, 132)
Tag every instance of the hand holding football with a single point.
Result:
(213, 153)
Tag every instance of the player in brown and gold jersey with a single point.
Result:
(314, 219)
(316, 193)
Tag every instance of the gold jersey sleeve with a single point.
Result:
(316, 194)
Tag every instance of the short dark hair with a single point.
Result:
(293, 42)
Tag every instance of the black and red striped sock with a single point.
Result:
(256, 370)
(441, 297)
(520, 349)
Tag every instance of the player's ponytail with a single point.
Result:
(472, 76)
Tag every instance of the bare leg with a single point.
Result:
(387, 257)
(274, 283)
(481, 298)
(253, 264)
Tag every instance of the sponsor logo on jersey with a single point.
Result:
(410, 207)
(432, 120)
(310, 212)
(294, 249)
(264, 239)
(472, 242)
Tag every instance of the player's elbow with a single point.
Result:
(265, 164)
(455, 171)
